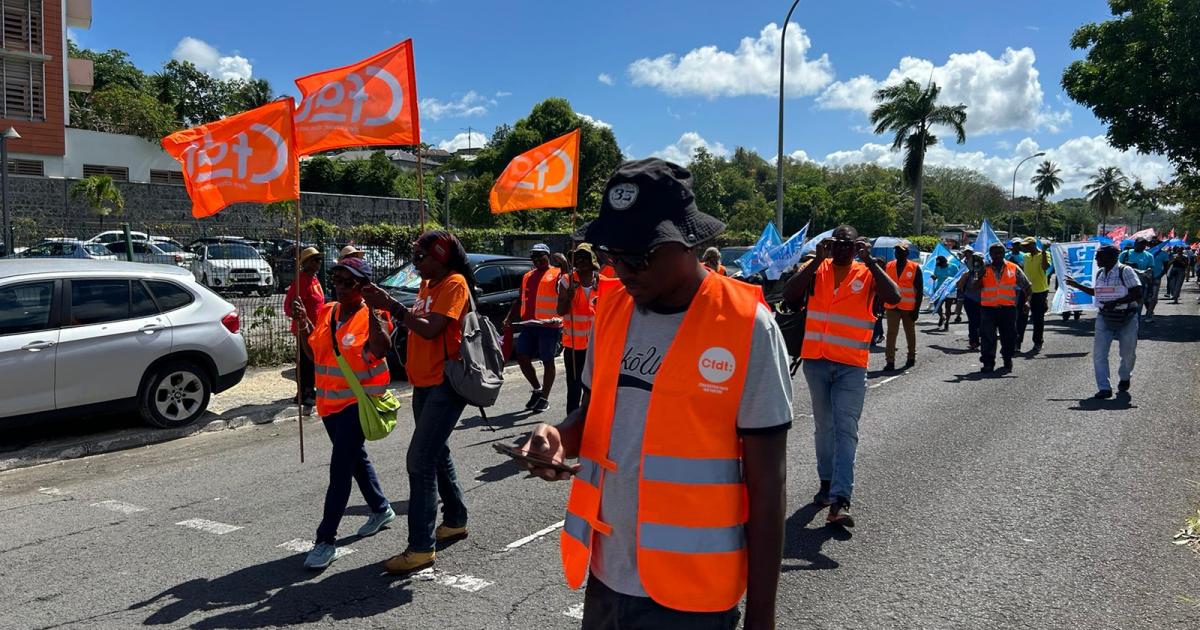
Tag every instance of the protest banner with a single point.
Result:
(546, 176)
(946, 288)
(927, 269)
(987, 237)
(811, 244)
(786, 255)
(758, 258)
(1078, 261)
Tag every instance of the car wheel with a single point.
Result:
(174, 395)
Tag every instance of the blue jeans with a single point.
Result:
(431, 473)
(348, 462)
(837, 391)
(538, 342)
(1126, 337)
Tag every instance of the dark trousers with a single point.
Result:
(1022, 322)
(431, 472)
(348, 462)
(973, 317)
(1039, 303)
(995, 320)
(574, 361)
(606, 609)
(306, 374)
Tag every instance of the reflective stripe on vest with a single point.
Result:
(545, 305)
(374, 370)
(907, 284)
(332, 389)
(1002, 292)
(840, 324)
(577, 325)
(692, 503)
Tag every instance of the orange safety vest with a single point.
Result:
(908, 291)
(1002, 292)
(546, 304)
(608, 271)
(577, 325)
(840, 324)
(692, 501)
(333, 392)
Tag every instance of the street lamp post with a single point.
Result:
(9, 134)
(1012, 211)
(779, 154)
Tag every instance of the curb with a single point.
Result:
(133, 438)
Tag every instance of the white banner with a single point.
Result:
(1078, 261)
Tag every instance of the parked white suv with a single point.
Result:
(78, 336)
(232, 266)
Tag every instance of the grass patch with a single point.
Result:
(1189, 536)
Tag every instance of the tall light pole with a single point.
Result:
(9, 134)
(1012, 211)
(779, 155)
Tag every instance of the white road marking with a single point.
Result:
(211, 527)
(53, 492)
(120, 506)
(885, 381)
(575, 612)
(532, 537)
(299, 545)
(462, 582)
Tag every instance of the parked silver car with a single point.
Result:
(66, 248)
(157, 252)
(78, 336)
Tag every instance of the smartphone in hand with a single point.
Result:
(533, 460)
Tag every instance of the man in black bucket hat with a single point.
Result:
(722, 370)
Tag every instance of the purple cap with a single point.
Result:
(357, 267)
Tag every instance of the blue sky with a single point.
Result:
(670, 75)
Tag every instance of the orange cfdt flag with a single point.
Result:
(546, 176)
(371, 102)
(247, 157)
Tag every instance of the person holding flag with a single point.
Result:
(1003, 290)
(1118, 295)
(1142, 263)
(944, 272)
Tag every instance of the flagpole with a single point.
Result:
(299, 381)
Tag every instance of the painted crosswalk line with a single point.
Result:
(120, 507)
(211, 527)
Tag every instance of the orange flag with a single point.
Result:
(247, 157)
(371, 102)
(546, 176)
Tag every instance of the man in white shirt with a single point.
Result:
(1118, 293)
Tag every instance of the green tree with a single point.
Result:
(1105, 192)
(1141, 77)
(100, 194)
(243, 96)
(1046, 182)
(908, 111)
(111, 67)
(1141, 200)
(197, 97)
(1077, 214)
(320, 174)
(118, 108)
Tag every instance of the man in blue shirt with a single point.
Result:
(1142, 262)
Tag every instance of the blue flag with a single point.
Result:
(987, 237)
(811, 244)
(786, 255)
(759, 256)
(931, 263)
(946, 288)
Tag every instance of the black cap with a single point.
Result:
(647, 203)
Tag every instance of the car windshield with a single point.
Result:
(405, 279)
(230, 251)
(170, 248)
(96, 249)
(730, 256)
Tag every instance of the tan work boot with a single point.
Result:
(409, 561)
(445, 533)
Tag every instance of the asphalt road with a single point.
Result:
(999, 502)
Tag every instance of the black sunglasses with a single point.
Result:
(637, 261)
(344, 282)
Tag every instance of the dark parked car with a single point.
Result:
(497, 286)
(729, 258)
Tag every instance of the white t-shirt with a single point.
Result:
(766, 405)
(1114, 284)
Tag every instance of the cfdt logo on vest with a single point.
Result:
(716, 366)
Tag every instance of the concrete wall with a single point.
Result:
(165, 209)
(105, 149)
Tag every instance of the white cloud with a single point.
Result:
(472, 139)
(681, 151)
(207, 58)
(1078, 158)
(503, 94)
(753, 69)
(471, 104)
(605, 79)
(1000, 93)
(596, 121)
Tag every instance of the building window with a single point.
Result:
(118, 173)
(32, 168)
(22, 25)
(24, 89)
(166, 177)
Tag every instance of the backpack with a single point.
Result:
(479, 374)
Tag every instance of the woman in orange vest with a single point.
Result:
(677, 507)
(577, 305)
(363, 338)
(712, 260)
(435, 335)
(837, 347)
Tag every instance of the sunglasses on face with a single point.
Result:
(635, 261)
(345, 282)
(840, 244)
(537, 257)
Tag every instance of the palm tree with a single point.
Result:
(1047, 182)
(101, 195)
(1106, 190)
(1142, 200)
(909, 112)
